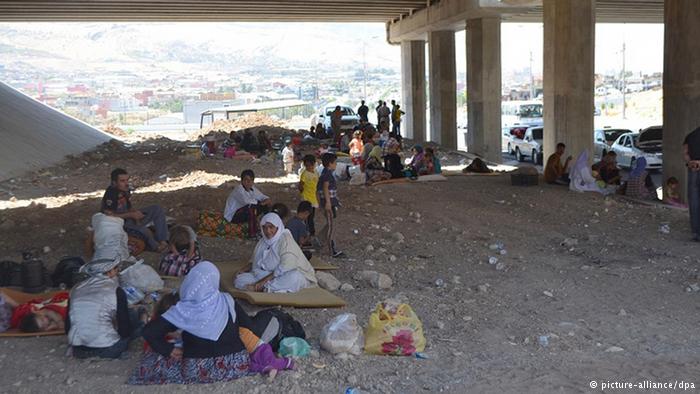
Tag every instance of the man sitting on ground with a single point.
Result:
(99, 322)
(116, 202)
(246, 202)
(554, 171)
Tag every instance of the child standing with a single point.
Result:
(308, 184)
(288, 157)
(356, 147)
(328, 198)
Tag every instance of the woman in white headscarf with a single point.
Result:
(279, 265)
(582, 179)
(211, 349)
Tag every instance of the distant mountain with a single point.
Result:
(211, 46)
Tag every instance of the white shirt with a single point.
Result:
(241, 197)
(287, 155)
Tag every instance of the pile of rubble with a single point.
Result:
(115, 131)
(247, 121)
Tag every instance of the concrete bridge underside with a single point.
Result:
(569, 48)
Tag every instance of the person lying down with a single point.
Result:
(279, 265)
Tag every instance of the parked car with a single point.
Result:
(348, 121)
(531, 145)
(647, 143)
(604, 138)
(513, 135)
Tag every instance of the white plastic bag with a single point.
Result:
(342, 335)
(141, 277)
(359, 178)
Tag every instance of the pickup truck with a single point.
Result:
(530, 145)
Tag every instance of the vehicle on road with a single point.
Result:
(511, 135)
(530, 145)
(604, 138)
(647, 143)
(514, 113)
(349, 118)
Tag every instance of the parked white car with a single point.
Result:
(530, 146)
(604, 138)
(647, 143)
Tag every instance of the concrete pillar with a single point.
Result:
(681, 84)
(569, 48)
(484, 87)
(413, 89)
(443, 88)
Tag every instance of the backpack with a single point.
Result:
(10, 274)
(67, 272)
(273, 325)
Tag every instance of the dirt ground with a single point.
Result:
(595, 276)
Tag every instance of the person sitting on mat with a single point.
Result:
(99, 321)
(184, 252)
(417, 163)
(374, 168)
(437, 165)
(279, 265)
(214, 346)
(246, 202)
(37, 315)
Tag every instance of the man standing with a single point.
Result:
(393, 114)
(116, 202)
(691, 153)
(396, 115)
(554, 171)
(363, 111)
(337, 123)
(379, 117)
(384, 114)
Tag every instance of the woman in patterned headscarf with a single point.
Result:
(211, 349)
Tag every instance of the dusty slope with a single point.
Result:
(478, 341)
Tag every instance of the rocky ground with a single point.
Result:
(584, 288)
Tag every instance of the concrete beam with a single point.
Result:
(681, 84)
(413, 89)
(442, 15)
(569, 40)
(484, 87)
(443, 88)
(451, 14)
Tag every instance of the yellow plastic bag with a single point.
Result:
(394, 330)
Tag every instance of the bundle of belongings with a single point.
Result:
(477, 166)
(213, 224)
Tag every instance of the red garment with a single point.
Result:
(58, 303)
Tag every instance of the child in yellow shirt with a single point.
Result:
(308, 182)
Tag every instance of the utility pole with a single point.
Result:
(624, 81)
(532, 80)
(364, 68)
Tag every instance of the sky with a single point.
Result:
(343, 43)
(644, 47)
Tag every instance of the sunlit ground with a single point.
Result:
(191, 180)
